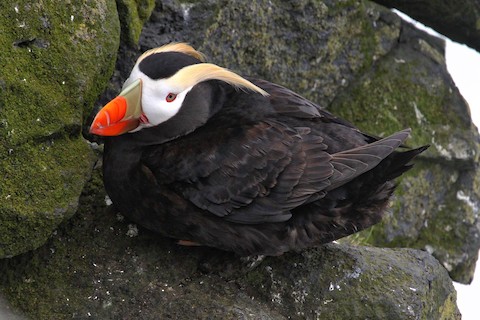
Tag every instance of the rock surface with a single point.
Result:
(54, 62)
(458, 20)
(437, 204)
(99, 266)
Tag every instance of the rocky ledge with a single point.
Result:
(100, 266)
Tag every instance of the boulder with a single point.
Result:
(458, 20)
(54, 62)
(100, 266)
(436, 205)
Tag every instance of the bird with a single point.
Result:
(198, 153)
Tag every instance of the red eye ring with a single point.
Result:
(170, 97)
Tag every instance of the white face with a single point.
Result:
(161, 99)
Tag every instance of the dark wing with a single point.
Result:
(259, 173)
(291, 104)
(351, 163)
(254, 174)
(286, 102)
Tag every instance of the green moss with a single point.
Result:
(55, 61)
(40, 188)
(133, 14)
(49, 55)
(400, 93)
(341, 282)
(38, 272)
(449, 309)
(424, 214)
(311, 47)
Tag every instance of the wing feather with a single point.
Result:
(259, 172)
(351, 163)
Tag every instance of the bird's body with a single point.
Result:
(254, 171)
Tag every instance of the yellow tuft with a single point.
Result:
(174, 47)
(196, 73)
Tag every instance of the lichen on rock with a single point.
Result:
(133, 14)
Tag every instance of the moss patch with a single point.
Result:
(436, 204)
(55, 60)
(408, 89)
(133, 14)
(338, 282)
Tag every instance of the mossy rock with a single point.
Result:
(99, 265)
(55, 60)
(133, 14)
(437, 203)
(350, 282)
(312, 47)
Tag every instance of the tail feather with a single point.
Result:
(352, 163)
(401, 162)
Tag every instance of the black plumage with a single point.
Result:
(250, 173)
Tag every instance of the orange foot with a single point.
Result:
(188, 243)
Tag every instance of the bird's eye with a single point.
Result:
(170, 97)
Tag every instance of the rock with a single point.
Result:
(96, 267)
(312, 47)
(458, 20)
(133, 14)
(437, 205)
(337, 282)
(55, 61)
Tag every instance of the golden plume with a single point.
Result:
(193, 74)
(174, 47)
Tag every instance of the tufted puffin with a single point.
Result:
(200, 154)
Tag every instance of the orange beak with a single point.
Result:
(120, 115)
